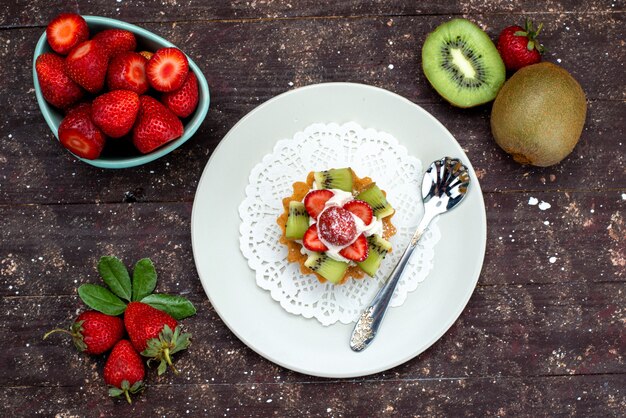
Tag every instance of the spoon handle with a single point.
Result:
(367, 326)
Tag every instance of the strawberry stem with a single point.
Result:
(127, 395)
(57, 330)
(166, 354)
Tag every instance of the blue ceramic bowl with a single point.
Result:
(145, 41)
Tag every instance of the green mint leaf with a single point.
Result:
(101, 299)
(176, 306)
(116, 276)
(144, 279)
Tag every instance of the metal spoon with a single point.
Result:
(444, 185)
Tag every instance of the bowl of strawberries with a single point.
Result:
(116, 95)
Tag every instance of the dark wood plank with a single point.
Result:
(50, 250)
(546, 330)
(24, 13)
(243, 72)
(42, 172)
(584, 396)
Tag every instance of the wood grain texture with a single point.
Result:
(542, 335)
(25, 13)
(593, 396)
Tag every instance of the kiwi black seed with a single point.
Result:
(462, 63)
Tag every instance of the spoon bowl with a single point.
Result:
(444, 186)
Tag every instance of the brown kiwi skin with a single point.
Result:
(539, 114)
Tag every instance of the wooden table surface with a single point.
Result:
(544, 332)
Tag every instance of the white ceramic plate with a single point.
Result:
(304, 345)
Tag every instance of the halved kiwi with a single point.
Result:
(462, 63)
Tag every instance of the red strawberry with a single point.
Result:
(87, 65)
(167, 69)
(66, 31)
(56, 87)
(357, 251)
(336, 225)
(519, 46)
(80, 135)
(115, 41)
(156, 125)
(115, 112)
(361, 209)
(183, 102)
(315, 200)
(124, 371)
(127, 71)
(311, 240)
(154, 333)
(94, 332)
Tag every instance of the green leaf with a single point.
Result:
(176, 306)
(116, 276)
(115, 392)
(144, 279)
(101, 299)
(162, 367)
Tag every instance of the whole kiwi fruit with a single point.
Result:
(539, 114)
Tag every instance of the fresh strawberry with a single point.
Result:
(167, 69)
(154, 333)
(56, 87)
(124, 371)
(336, 225)
(115, 41)
(311, 240)
(80, 135)
(183, 102)
(361, 209)
(94, 332)
(315, 201)
(519, 46)
(156, 125)
(146, 54)
(115, 112)
(127, 71)
(86, 64)
(357, 251)
(66, 31)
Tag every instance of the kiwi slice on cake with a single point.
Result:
(378, 249)
(335, 178)
(377, 200)
(462, 63)
(297, 220)
(331, 270)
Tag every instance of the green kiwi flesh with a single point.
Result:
(331, 270)
(297, 220)
(335, 178)
(378, 249)
(377, 200)
(462, 63)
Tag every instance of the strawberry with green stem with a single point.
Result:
(124, 371)
(94, 332)
(155, 334)
(519, 46)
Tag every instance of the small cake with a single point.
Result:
(337, 225)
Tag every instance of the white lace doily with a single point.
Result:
(320, 147)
